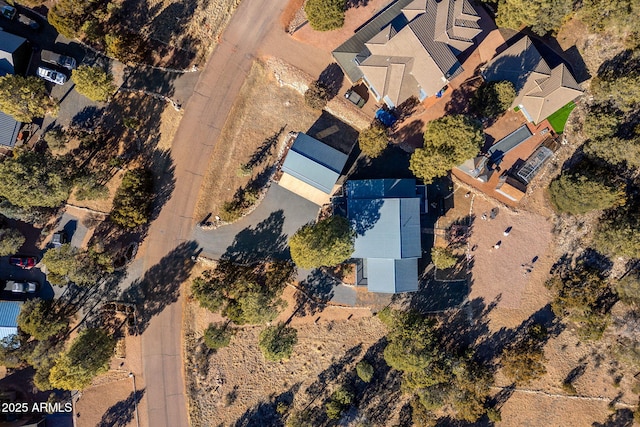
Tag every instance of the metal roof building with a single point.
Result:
(385, 215)
(312, 168)
(9, 129)
(14, 54)
(9, 311)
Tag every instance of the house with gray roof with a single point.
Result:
(9, 311)
(312, 168)
(15, 53)
(540, 90)
(410, 48)
(385, 215)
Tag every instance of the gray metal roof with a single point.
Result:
(9, 311)
(380, 188)
(346, 53)
(386, 228)
(9, 43)
(392, 275)
(509, 142)
(314, 162)
(9, 129)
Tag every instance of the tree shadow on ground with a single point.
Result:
(461, 97)
(264, 150)
(435, 296)
(122, 413)
(87, 118)
(265, 413)
(356, 3)
(410, 134)
(314, 292)
(490, 348)
(332, 77)
(152, 80)
(394, 164)
(620, 418)
(161, 165)
(160, 285)
(381, 397)
(262, 242)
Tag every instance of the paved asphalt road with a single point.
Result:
(205, 114)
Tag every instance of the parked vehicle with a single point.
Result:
(8, 12)
(52, 76)
(23, 262)
(354, 98)
(59, 238)
(57, 59)
(25, 20)
(22, 287)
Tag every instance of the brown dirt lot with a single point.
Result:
(109, 401)
(231, 383)
(262, 110)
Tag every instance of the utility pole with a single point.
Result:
(135, 398)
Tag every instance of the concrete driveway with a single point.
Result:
(261, 234)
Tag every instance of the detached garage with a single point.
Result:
(311, 169)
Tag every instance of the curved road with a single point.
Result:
(205, 114)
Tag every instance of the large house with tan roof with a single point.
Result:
(541, 91)
(410, 48)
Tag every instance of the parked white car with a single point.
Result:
(51, 76)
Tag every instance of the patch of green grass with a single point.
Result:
(516, 109)
(558, 119)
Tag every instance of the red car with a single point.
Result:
(23, 262)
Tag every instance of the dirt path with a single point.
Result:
(204, 118)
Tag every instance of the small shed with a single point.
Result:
(9, 129)
(311, 169)
(9, 311)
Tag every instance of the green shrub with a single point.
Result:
(365, 371)
(132, 201)
(340, 400)
(493, 98)
(329, 242)
(317, 95)
(277, 342)
(217, 336)
(448, 142)
(373, 140)
(325, 15)
(443, 258)
(579, 193)
(93, 82)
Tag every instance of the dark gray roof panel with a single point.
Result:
(509, 142)
(379, 188)
(9, 129)
(319, 152)
(410, 228)
(406, 275)
(423, 27)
